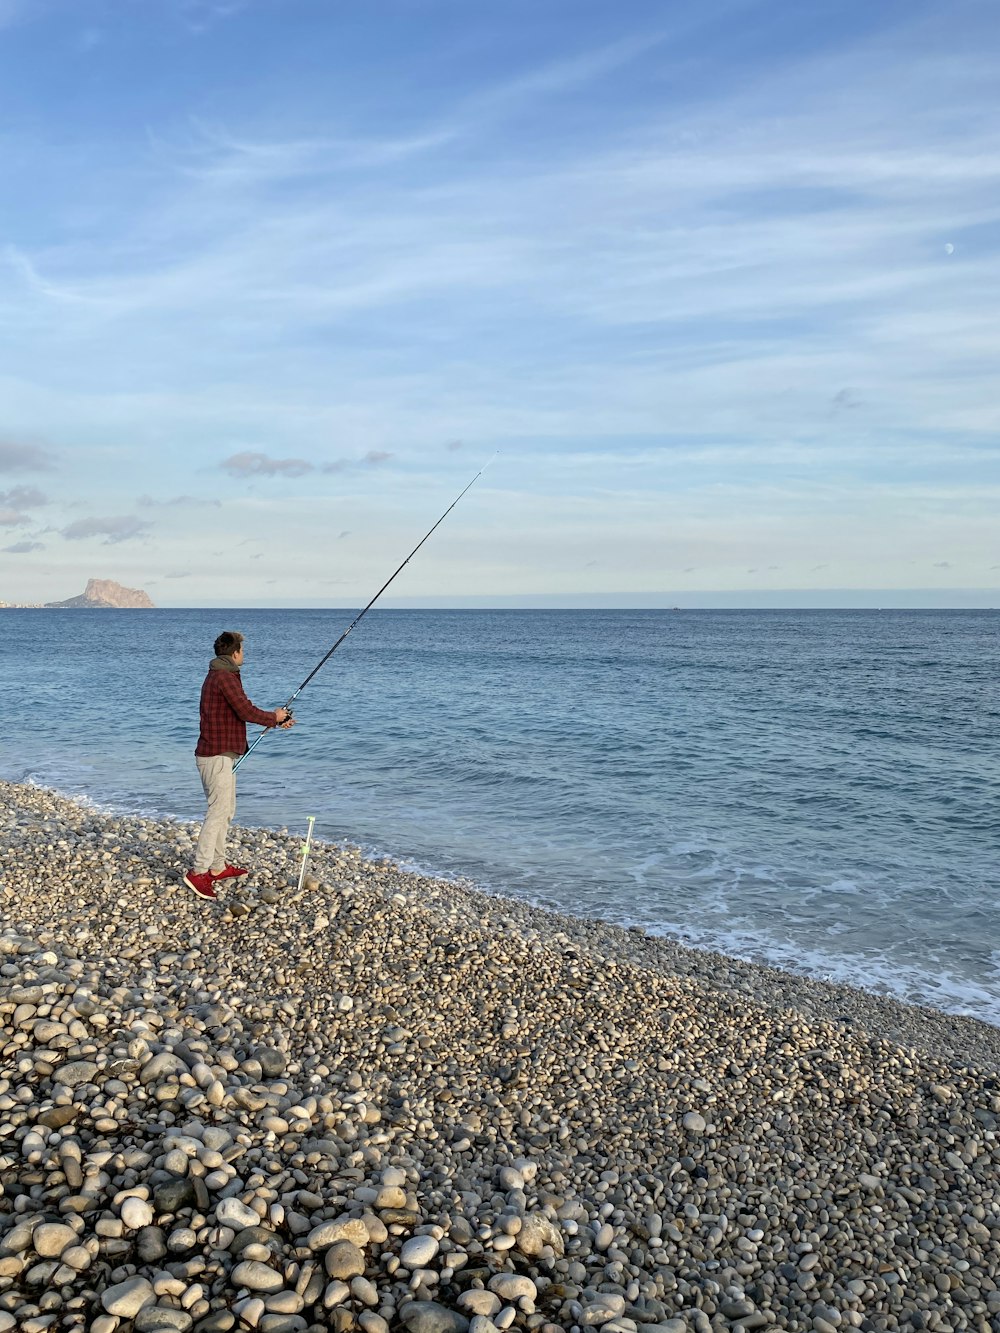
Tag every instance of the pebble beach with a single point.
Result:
(386, 1101)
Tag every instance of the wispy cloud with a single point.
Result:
(24, 497)
(200, 16)
(371, 459)
(845, 400)
(710, 237)
(27, 269)
(16, 456)
(24, 548)
(223, 160)
(653, 270)
(178, 501)
(15, 502)
(562, 75)
(114, 530)
(249, 464)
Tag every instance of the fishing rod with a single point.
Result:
(361, 614)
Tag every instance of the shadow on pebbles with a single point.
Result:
(390, 1102)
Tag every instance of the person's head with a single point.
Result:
(230, 644)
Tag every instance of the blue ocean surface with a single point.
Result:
(819, 790)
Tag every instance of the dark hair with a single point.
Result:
(229, 641)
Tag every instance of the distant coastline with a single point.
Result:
(99, 594)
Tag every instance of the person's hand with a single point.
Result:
(281, 716)
(288, 722)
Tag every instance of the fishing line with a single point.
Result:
(361, 614)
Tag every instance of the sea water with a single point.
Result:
(818, 790)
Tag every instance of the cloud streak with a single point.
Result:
(250, 464)
(117, 529)
(648, 268)
(373, 458)
(19, 457)
(247, 465)
(23, 497)
(177, 501)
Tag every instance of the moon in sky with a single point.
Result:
(949, 249)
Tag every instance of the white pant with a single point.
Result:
(219, 781)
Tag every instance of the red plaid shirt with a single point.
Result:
(225, 711)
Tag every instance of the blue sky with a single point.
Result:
(718, 282)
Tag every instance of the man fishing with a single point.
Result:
(225, 710)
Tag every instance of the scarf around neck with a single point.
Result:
(223, 664)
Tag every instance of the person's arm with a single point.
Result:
(241, 705)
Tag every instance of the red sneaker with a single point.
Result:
(229, 872)
(200, 884)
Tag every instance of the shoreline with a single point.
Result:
(927, 1027)
(504, 1114)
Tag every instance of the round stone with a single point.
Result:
(236, 1214)
(51, 1238)
(151, 1245)
(136, 1214)
(272, 1062)
(76, 1072)
(513, 1286)
(161, 1066)
(162, 1319)
(77, 1257)
(344, 1260)
(174, 1195)
(418, 1251)
(256, 1276)
(390, 1196)
(365, 1291)
(341, 1228)
(335, 1294)
(126, 1299)
(429, 1317)
(477, 1301)
(603, 1308)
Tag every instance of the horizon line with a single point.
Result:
(887, 600)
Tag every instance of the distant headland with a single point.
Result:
(106, 593)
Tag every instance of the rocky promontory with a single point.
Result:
(107, 593)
